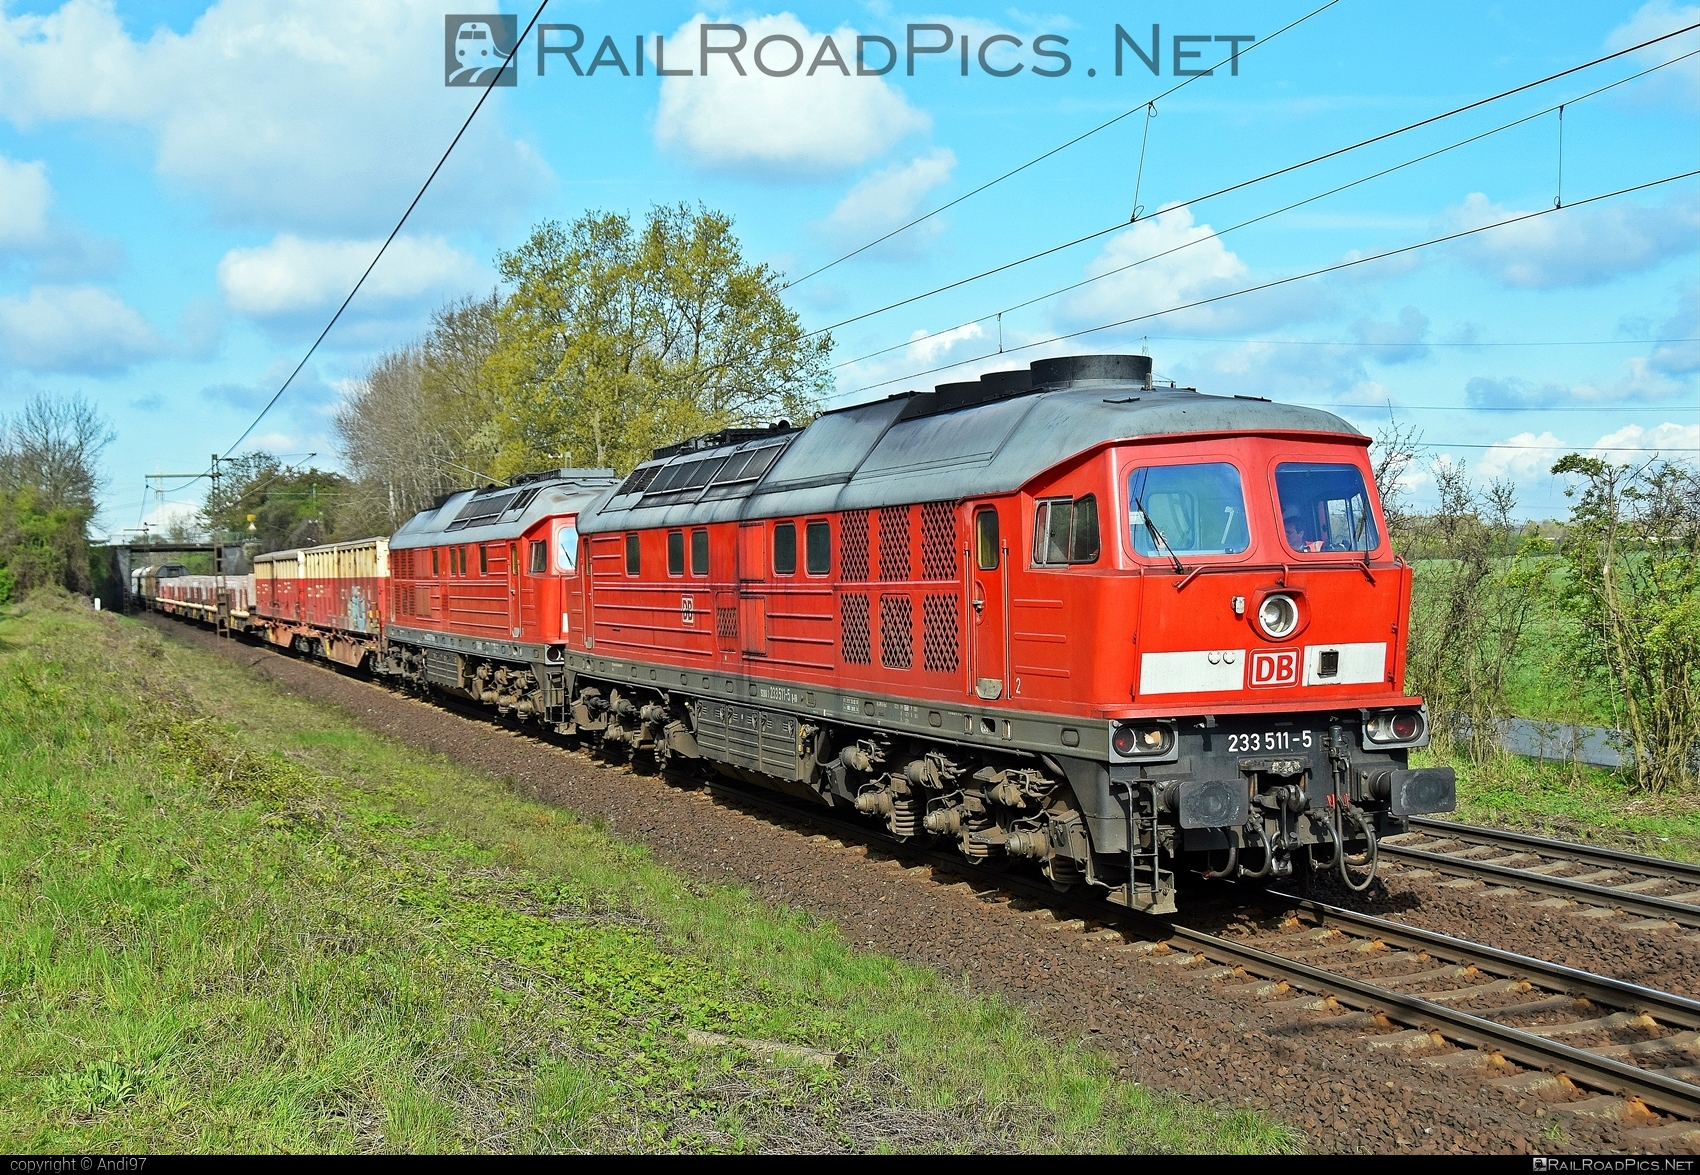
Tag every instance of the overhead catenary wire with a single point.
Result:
(1061, 147)
(1276, 282)
(414, 203)
(1121, 225)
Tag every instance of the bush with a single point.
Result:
(1633, 587)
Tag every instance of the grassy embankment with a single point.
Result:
(1562, 799)
(229, 921)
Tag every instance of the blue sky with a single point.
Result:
(187, 191)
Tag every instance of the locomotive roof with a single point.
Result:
(502, 512)
(959, 441)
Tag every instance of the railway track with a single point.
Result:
(1661, 891)
(1590, 1044)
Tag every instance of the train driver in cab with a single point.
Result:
(1298, 535)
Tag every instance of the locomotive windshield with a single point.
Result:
(1325, 508)
(1187, 510)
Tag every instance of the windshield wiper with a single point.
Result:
(1157, 538)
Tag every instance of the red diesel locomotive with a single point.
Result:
(1059, 614)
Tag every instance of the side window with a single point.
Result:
(633, 560)
(785, 548)
(986, 540)
(434, 572)
(483, 559)
(817, 541)
(699, 552)
(1065, 531)
(675, 552)
(539, 556)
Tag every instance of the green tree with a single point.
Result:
(613, 341)
(49, 453)
(290, 507)
(420, 423)
(1632, 558)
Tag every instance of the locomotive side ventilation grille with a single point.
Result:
(940, 640)
(853, 629)
(938, 541)
(897, 632)
(894, 543)
(401, 564)
(853, 545)
(726, 625)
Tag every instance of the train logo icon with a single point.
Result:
(1274, 667)
(477, 49)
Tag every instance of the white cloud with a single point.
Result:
(292, 275)
(1575, 247)
(25, 196)
(74, 329)
(1679, 442)
(1162, 261)
(890, 197)
(315, 113)
(1529, 457)
(1521, 458)
(1677, 82)
(794, 127)
(923, 349)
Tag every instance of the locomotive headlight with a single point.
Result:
(1278, 616)
(1135, 740)
(1395, 728)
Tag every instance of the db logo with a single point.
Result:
(1272, 667)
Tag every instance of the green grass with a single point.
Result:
(229, 921)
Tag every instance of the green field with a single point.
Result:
(231, 922)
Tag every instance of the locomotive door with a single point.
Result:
(513, 590)
(988, 591)
(752, 599)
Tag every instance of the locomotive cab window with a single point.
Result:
(434, 571)
(539, 556)
(1325, 508)
(699, 552)
(633, 556)
(1065, 531)
(1187, 510)
(675, 552)
(986, 540)
(483, 559)
(785, 548)
(817, 539)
